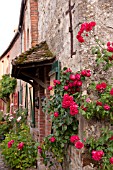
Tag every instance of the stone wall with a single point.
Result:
(54, 23)
(54, 26)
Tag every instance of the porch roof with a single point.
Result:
(25, 65)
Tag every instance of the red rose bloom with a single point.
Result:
(66, 88)
(88, 27)
(93, 23)
(83, 72)
(52, 139)
(97, 155)
(84, 108)
(106, 107)
(72, 77)
(99, 103)
(50, 88)
(74, 138)
(108, 44)
(10, 143)
(79, 145)
(56, 82)
(111, 160)
(86, 73)
(67, 101)
(111, 92)
(70, 85)
(111, 138)
(85, 27)
(73, 109)
(81, 39)
(77, 76)
(110, 49)
(101, 87)
(56, 114)
(75, 83)
(79, 83)
(68, 70)
(39, 149)
(20, 145)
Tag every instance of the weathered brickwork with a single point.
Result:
(34, 22)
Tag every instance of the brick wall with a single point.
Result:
(34, 22)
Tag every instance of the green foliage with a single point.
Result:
(7, 86)
(19, 118)
(1, 115)
(5, 124)
(20, 158)
(18, 131)
(4, 127)
(102, 55)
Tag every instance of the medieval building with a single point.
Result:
(44, 43)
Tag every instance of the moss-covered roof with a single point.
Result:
(25, 66)
(36, 54)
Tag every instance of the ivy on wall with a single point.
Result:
(7, 87)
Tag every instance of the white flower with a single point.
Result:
(12, 104)
(10, 118)
(20, 105)
(19, 118)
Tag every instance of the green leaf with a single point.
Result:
(109, 54)
(94, 50)
(57, 133)
(62, 145)
(75, 127)
(66, 137)
(99, 60)
(64, 127)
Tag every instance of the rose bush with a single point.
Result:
(100, 106)
(69, 101)
(19, 150)
(63, 108)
